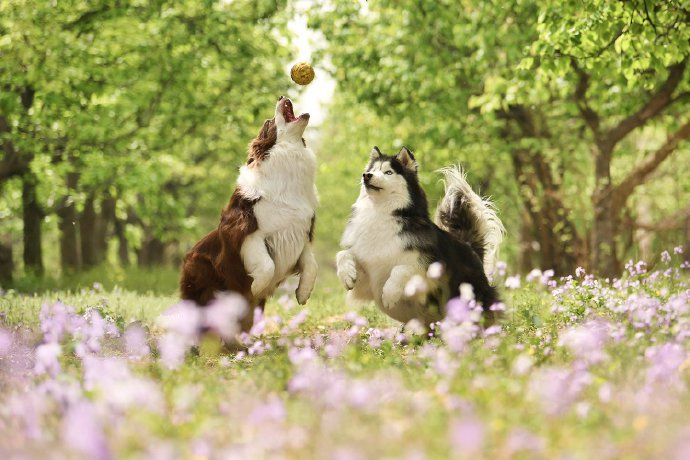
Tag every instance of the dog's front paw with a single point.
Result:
(347, 270)
(262, 280)
(391, 295)
(303, 293)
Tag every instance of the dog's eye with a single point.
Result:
(388, 173)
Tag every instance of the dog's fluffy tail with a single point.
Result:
(470, 218)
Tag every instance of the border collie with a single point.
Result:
(390, 238)
(265, 231)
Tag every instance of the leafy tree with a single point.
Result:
(128, 119)
(560, 91)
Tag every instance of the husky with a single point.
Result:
(266, 230)
(390, 239)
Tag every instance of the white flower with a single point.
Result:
(513, 282)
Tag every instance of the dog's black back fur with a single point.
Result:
(461, 262)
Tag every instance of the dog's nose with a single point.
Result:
(280, 98)
(367, 176)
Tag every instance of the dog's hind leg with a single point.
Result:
(308, 269)
(257, 262)
(394, 287)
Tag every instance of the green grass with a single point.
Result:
(211, 398)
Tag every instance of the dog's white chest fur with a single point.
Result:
(284, 184)
(375, 242)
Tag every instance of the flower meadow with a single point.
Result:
(578, 367)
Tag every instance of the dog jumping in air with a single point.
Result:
(265, 231)
(390, 238)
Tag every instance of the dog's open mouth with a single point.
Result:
(372, 187)
(289, 113)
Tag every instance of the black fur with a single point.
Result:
(462, 262)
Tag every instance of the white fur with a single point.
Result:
(490, 226)
(284, 182)
(376, 266)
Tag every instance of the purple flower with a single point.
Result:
(299, 356)
(376, 337)
(259, 324)
(546, 276)
(557, 389)
(83, 432)
(6, 341)
(533, 275)
(136, 343)
(91, 333)
(501, 268)
(272, 411)
(522, 364)
(665, 364)
(47, 359)
(467, 436)
(172, 350)
(346, 453)
(55, 321)
(337, 341)
(457, 337)
(298, 319)
(29, 409)
(498, 306)
(64, 393)
(459, 310)
(587, 340)
(182, 319)
(521, 440)
(224, 314)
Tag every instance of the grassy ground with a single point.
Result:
(578, 370)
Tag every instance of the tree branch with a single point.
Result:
(674, 222)
(655, 105)
(588, 114)
(641, 173)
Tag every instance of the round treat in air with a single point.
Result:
(302, 73)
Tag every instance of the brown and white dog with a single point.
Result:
(265, 231)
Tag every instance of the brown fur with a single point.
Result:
(259, 147)
(214, 264)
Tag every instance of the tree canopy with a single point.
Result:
(562, 92)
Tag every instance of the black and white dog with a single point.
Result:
(390, 239)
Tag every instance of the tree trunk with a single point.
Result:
(33, 218)
(6, 264)
(559, 245)
(67, 224)
(123, 244)
(152, 252)
(87, 231)
(105, 220)
(604, 255)
(527, 243)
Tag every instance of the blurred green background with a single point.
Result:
(123, 123)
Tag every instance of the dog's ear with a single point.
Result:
(375, 154)
(406, 159)
(268, 129)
